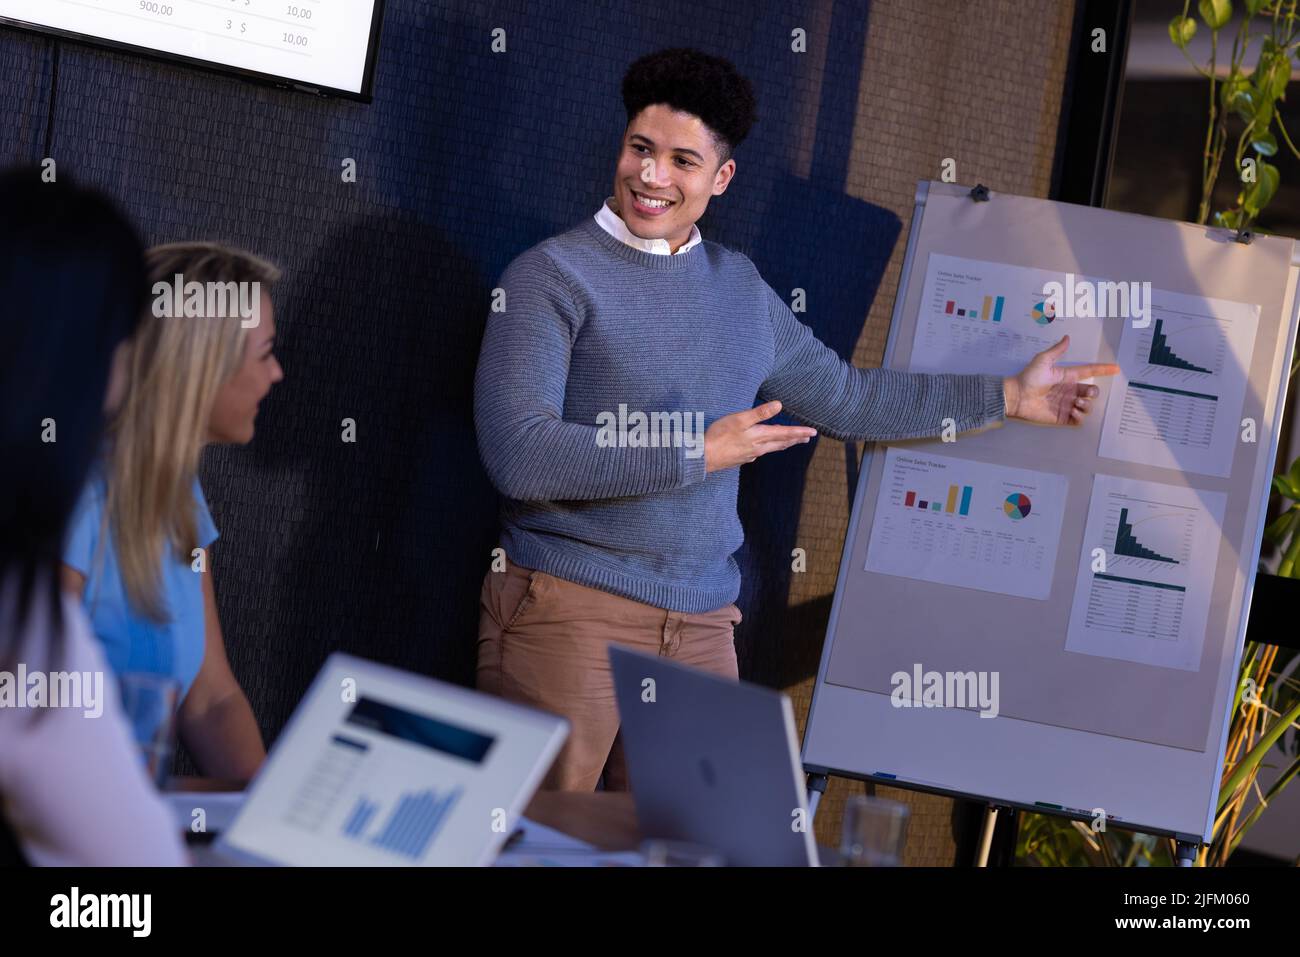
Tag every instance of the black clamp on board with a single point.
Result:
(1244, 236)
(980, 193)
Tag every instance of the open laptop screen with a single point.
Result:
(381, 767)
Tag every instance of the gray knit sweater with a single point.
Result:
(590, 325)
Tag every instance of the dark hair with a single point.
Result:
(72, 287)
(693, 82)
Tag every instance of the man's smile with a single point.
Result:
(647, 205)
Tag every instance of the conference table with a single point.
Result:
(606, 819)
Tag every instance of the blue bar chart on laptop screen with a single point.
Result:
(388, 780)
(411, 826)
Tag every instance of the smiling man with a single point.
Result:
(632, 317)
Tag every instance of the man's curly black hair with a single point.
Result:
(693, 82)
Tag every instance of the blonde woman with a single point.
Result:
(188, 380)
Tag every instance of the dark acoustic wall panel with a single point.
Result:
(465, 158)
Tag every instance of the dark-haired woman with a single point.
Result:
(73, 790)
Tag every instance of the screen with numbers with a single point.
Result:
(322, 46)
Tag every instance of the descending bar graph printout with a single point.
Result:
(1146, 572)
(1178, 398)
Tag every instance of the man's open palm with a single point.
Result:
(1052, 394)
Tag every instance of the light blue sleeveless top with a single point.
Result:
(132, 642)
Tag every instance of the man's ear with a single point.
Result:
(722, 178)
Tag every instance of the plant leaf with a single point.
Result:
(1264, 144)
(1236, 83)
(1273, 71)
(1260, 192)
(1263, 116)
(1228, 219)
(1278, 785)
(1251, 760)
(1242, 102)
(1281, 76)
(1181, 30)
(1278, 528)
(1215, 13)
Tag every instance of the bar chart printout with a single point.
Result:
(967, 523)
(1177, 401)
(1146, 572)
(987, 317)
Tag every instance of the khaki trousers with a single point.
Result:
(542, 641)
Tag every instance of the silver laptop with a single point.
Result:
(383, 767)
(713, 762)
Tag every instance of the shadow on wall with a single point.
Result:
(840, 270)
(836, 248)
(386, 538)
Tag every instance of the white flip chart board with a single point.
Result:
(1052, 617)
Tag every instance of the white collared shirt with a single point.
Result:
(613, 224)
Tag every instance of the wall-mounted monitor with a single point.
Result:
(326, 47)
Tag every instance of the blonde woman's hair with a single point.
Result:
(176, 365)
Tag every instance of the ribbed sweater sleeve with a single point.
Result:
(840, 400)
(529, 451)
